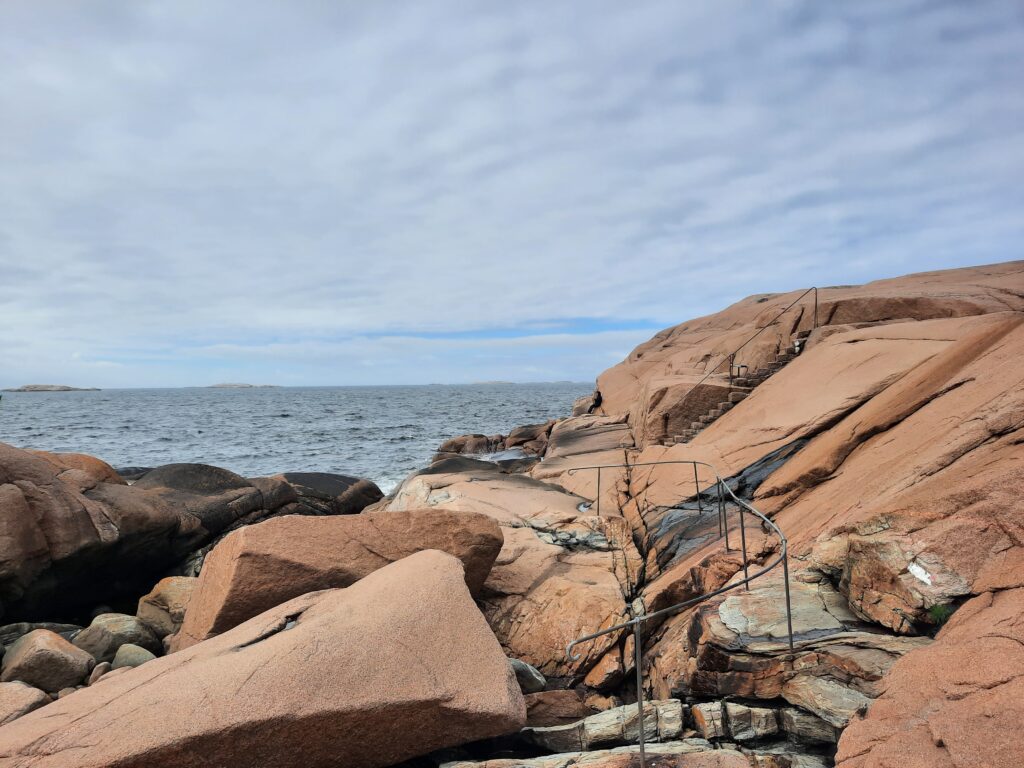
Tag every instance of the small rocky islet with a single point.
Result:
(195, 617)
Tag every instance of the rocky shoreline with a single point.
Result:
(306, 619)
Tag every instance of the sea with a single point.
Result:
(383, 433)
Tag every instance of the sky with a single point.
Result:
(329, 192)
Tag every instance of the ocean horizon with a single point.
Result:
(382, 433)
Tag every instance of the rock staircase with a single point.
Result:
(740, 389)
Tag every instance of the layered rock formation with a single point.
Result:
(889, 450)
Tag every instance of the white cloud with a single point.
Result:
(177, 176)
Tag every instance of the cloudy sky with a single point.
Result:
(397, 192)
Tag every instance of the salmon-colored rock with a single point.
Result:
(658, 374)
(561, 573)
(399, 664)
(17, 699)
(45, 660)
(97, 470)
(162, 609)
(957, 703)
(263, 565)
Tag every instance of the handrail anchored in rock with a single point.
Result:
(724, 492)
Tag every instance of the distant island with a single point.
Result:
(240, 386)
(51, 388)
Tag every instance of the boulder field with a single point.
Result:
(885, 438)
(398, 664)
(75, 534)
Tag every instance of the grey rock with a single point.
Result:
(807, 728)
(529, 677)
(11, 632)
(663, 721)
(109, 631)
(751, 723)
(129, 655)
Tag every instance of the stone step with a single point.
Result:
(737, 397)
(726, 406)
(697, 425)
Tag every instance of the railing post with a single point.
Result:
(639, 689)
(789, 607)
(598, 492)
(815, 307)
(696, 482)
(743, 544)
(721, 508)
(725, 524)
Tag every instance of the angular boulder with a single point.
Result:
(45, 660)
(397, 665)
(163, 608)
(260, 566)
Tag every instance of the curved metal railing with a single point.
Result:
(724, 493)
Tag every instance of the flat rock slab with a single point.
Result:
(397, 665)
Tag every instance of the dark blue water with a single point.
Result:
(382, 433)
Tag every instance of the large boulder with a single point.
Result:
(263, 565)
(45, 660)
(397, 665)
(75, 534)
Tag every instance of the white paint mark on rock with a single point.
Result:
(920, 573)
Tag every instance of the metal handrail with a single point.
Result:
(723, 528)
(731, 357)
